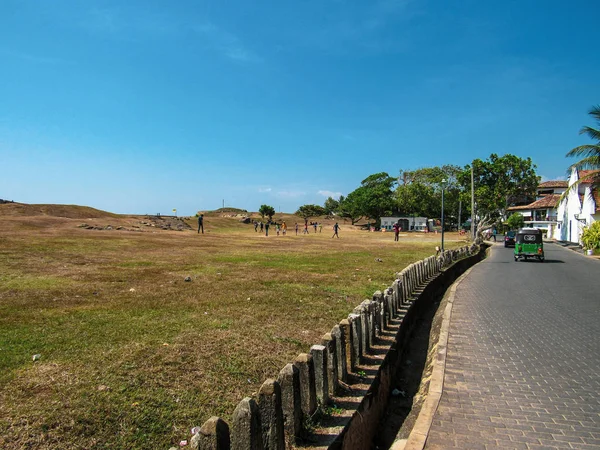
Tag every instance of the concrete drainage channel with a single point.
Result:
(367, 427)
(336, 396)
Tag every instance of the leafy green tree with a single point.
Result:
(350, 207)
(515, 221)
(420, 192)
(331, 206)
(375, 196)
(266, 210)
(417, 199)
(500, 182)
(306, 211)
(589, 153)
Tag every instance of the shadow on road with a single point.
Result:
(546, 261)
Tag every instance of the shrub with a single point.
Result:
(590, 238)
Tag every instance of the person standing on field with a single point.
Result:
(296, 228)
(336, 227)
(201, 223)
(396, 231)
(284, 228)
(267, 223)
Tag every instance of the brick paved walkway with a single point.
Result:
(523, 363)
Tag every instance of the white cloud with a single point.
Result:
(265, 189)
(332, 194)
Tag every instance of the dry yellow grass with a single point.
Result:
(132, 356)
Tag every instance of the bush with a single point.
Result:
(515, 221)
(590, 238)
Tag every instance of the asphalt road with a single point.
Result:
(523, 363)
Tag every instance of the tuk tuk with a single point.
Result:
(528, 244)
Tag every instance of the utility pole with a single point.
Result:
(223, 203)
(472, 203)
(459, 208)
(443, 185)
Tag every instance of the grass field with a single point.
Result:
(131, 355)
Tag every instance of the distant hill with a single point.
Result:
(68, 211)
(230, 210)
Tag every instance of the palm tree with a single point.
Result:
(590, 153)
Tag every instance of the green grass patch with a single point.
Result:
(24, 282)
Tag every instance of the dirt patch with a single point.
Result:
(148, 222)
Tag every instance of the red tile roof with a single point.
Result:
(547, 201)
(584, 173)
(554, 184)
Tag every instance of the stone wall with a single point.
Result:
(334, 369)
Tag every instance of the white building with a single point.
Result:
(406, 223)
(543, 212)
(580, 208)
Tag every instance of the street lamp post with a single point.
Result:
(443, 185)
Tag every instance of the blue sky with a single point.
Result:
(146, 106)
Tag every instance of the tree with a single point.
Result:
(589, 153)
(306, 211)
(266, 210)
(374, 198)
(331, 206)
(417, 199)
(500, 182)
(515, 221)
(350, 207)
(420, 192)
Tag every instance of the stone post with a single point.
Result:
(365, 330)
(405, 287)
(319, 357)
(213, 435)
(417, 273)
(246, 432)
(396, 292)
(380, 312)
(271, 415)
(308, 397)
(388, 300)
(356, 339)
(329, 342)
(289, 380)
(343, 343)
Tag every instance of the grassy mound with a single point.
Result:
(68, 211)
